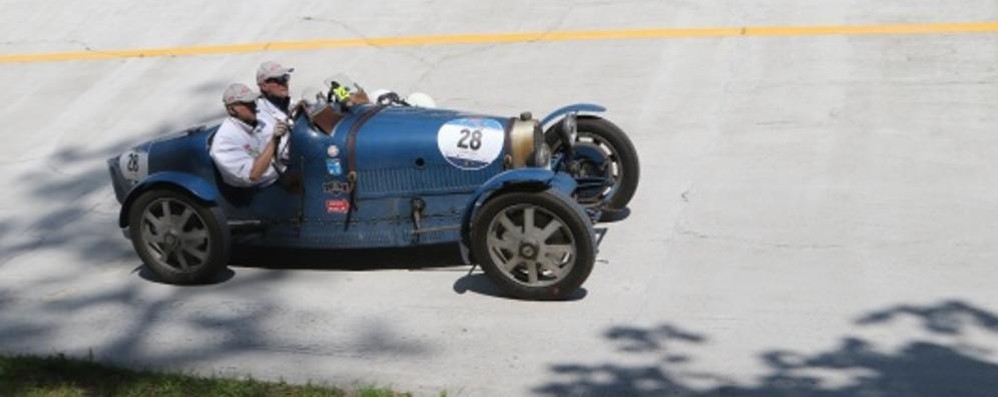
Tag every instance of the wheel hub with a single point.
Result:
(589, 168)
(529, 250)
(594, 163)
(171, 240)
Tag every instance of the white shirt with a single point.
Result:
(236, 146)
(265, 110)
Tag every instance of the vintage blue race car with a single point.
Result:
(519, 195)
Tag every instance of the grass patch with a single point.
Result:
(59, 376)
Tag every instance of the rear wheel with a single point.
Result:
(181, 240)
(533, 245)
(620, 167)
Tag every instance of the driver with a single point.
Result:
(243, 146)
(274, 101)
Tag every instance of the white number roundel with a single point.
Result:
(471, 143)
(134, 166)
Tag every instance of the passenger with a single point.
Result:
(243, 146)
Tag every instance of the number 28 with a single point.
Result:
(475, 141)
(133, 162)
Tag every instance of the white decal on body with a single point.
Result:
(134, 166)
(471, 143)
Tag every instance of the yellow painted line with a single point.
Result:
(627, 34)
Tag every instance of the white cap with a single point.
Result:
(238, 93)
(271, 69)
(421, 100)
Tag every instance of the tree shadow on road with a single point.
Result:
(74, 187)
(66, 232)
(918, 368)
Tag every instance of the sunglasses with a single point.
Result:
(278, 80)
(249, 105)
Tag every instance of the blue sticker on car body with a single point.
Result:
(333, 167)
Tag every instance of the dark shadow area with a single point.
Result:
(4, 229)
(79, 226)
(480, 283)
(210, 88)
(950, 317)
(918, 368)
(146, 274)
(67, 175)
(422, 257)
(237, 327)
(59, 375)
(125, 321)
(631, 339)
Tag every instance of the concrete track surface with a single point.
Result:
(816, 214)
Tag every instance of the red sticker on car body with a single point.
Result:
(337, 206)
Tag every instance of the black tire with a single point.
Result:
(553, 278)
(186, 258)
(612, 139)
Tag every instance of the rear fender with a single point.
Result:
(523, 179)
(182, 181)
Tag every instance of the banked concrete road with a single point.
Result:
(816, 215)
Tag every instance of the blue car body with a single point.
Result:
(407, 192)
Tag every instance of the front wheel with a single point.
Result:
(615, 161)
(533, 245)
(181, 240)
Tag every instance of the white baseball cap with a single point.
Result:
(271, 69)
(238, 93)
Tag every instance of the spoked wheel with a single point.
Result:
(533, 245)
(620, 167)
(180, 239)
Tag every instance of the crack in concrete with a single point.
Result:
(448, 58)
(367, 39)
(39, 238)
(677, 228)
(81, 44)
(34, 229)
(433, 65)
(603, 3)
(24, 160)
(461, 54)
(554, 26)
(683, 231)
(23, 248)
(685, 195)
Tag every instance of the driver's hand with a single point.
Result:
(281, 129)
